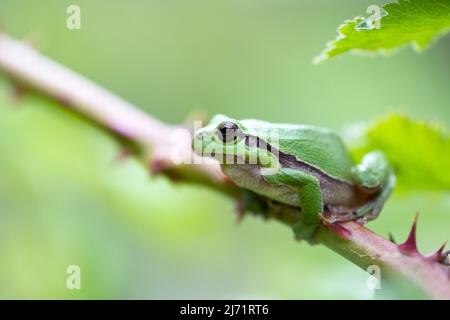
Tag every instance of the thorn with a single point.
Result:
(410, 245)
(441, 249)
(63, 100)
(123, 154)
(240, 211)
(163, 166)
(17, 92)
(391, 238)
(438, 256)
(158, 163)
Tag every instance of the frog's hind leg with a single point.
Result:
(371, 210)
(308, 189)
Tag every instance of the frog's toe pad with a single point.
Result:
(304, 232)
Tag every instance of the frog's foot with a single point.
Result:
(368, 212)
(308, 189)
(303, 231)
(371, 210)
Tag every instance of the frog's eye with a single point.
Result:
(228, 131)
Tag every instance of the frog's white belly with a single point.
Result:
(249, 177)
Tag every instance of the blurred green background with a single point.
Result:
(64, 199)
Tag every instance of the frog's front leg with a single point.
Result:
(374, 173)
(311, 202)
(371, 210)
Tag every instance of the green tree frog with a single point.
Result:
(298, 165)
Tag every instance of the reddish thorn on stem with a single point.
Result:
(240, 211)
(124, 153)
(410, 245)
(158, 165)
(17, 91)
(438, 256)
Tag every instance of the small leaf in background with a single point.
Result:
(394, 25)
(419, 151)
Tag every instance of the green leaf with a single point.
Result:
(414, 22)
(418, 151)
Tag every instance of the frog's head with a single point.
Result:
(231, 141)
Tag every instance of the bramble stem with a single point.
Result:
(101, 107)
